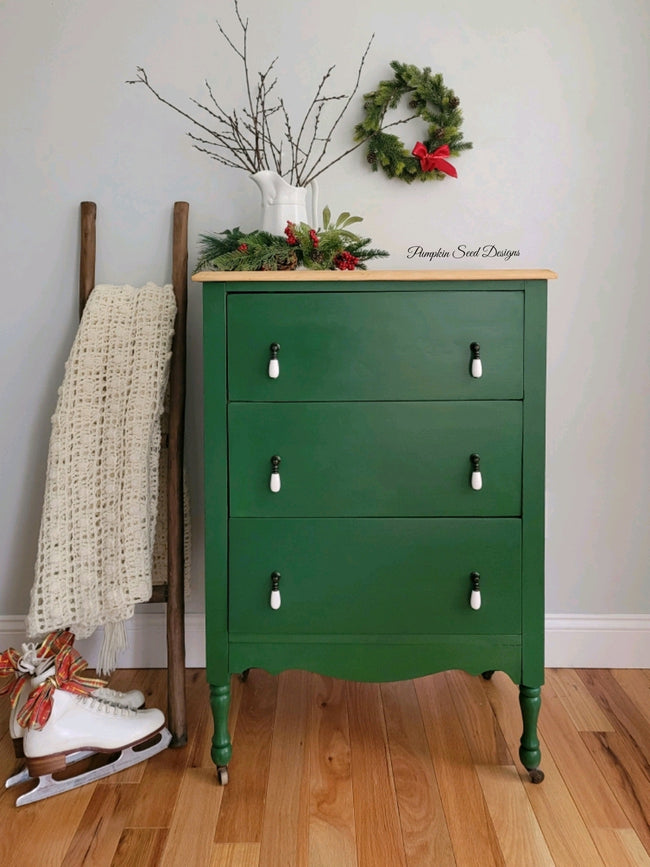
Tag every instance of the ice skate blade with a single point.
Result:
(47, 786)
(23, 776)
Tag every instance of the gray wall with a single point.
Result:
(555, 100)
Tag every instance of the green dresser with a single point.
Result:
(374, 478)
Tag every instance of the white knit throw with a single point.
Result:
(97, 533)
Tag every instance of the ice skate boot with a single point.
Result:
(32, 668)
(20, 668)
(77, 723)
(133, 700)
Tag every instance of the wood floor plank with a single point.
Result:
(482, 733)
(598, 805)
(636, 683)
(285, 838)
(628, 775)
(40, 833)
(140, 847)
(470, 825)
(160, 781)
(242, 811)
(520, 836)
(638, 854)
(235, 855)
(422, 818)
(376, 816)
(591, 789)
(331, 804)
(580, 705)
(611, 696)
(162, 775)
(620, 848)
(564, 829)
(98, 833)
(191, 836)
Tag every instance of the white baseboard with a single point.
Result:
(597, 641)
(572, 640)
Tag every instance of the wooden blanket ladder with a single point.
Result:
(172, 593)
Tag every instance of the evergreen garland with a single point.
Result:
(430, 100)
(329, 248)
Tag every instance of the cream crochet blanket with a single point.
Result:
(96, 542)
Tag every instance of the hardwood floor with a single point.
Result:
(326, 773)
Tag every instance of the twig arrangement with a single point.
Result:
(249, 139)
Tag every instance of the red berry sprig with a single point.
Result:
(291, 238)
(243, 248)
(314, 237)
(345, 261)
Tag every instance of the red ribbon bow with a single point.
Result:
(10, 659)
(431, 161)
(68, 665)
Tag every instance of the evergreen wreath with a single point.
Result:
(432, 102)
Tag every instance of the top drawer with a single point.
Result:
(375, 345)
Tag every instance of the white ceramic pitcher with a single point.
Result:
(281, 202)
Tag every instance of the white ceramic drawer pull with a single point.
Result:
(475, 596)
(477, 367)
(274, 482)
(275, 600)
(477, 478)
(274, 363)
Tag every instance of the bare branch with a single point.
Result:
(311, 176)
(143, 79)
(229, 40)
(319, 89)
(217, 157)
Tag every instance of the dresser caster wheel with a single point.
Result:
(222, 775)
(487, 675)
(244, 675)
(536, 775)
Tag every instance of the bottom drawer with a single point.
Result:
(375, 575)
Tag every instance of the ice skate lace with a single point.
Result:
(107, 694)
(107, 707)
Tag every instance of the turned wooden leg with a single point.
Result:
(221, 747)
(529, 753)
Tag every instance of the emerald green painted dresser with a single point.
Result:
(374, 478)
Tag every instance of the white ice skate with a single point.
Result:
(37, 669)
(85, 724)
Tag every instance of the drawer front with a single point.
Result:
(375, 459)
(375, 346)
(375, 576)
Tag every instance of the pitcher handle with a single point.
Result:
(313, 187)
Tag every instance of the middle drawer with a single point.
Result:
(375, 459)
